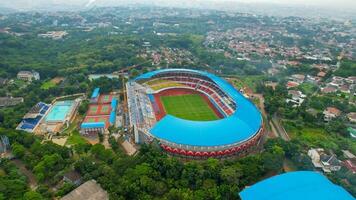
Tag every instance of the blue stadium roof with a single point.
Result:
(302, 185)
(238, 127)
(95, 93)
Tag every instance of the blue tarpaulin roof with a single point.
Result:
(95, 93)
(240, 126)
(302, 185)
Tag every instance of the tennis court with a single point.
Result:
(105, 98)
(93, 109)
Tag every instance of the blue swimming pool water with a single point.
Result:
(59, 111)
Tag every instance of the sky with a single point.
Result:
(25, 4)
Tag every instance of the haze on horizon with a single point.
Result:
(349, 5)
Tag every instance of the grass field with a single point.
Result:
(76, 138)
(191, 107)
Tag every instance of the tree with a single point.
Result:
(18, 150)
(31, 195)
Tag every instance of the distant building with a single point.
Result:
(329, 89)
(28, 75)
(97, 76)
(321, 74)
(331, 113)
(299, 78)
(55, 35)
(3, 81)
(297, 97)
(89, 190)
(347, 154)
(352, 117)
(350, 164)
(10, 101)
(292, 84)
(322, 160)
(351, 79)
(4, 144)
(72, 177)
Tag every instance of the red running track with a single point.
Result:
(177, 92)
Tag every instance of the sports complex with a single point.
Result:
(192, 113)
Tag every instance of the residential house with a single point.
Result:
(299, 78)
(10, 101)
(28, 75)
(323, 161)
(321, 74)
(297, 97)
(292, 84)
(350, 164)
(329, 89)
(352, 117)
(331, 113)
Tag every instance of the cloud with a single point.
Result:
(90, 2)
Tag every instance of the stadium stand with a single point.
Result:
(31, 120)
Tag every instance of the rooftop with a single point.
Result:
(89, 190)
(304, 185)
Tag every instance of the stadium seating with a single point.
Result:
(198, 83)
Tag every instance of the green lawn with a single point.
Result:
(76, 138)
(48, 84)
(191, 107)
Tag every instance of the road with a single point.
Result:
(279, 128)
(30, 176)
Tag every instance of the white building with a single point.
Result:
(297, 97)
(28, 75)
(321, 160)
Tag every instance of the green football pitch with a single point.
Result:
(190, 107)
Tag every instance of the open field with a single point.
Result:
(76, 138)
(191, 107)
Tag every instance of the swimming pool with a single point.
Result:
(59, 111)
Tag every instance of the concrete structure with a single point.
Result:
(239, 130)
(28, 75)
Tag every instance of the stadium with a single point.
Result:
(192, 114)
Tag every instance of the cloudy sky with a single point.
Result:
(23, 4)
